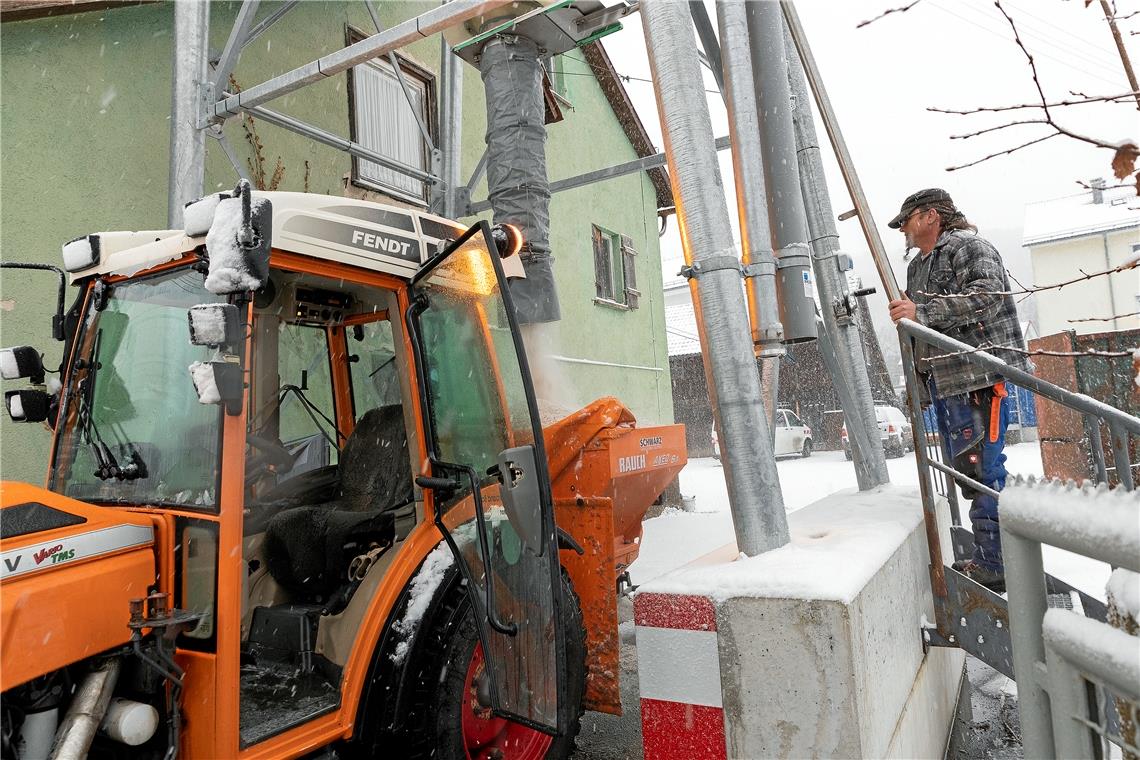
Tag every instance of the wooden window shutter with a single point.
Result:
(629, 271)
(603, 273)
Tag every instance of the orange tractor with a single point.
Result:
(300, 501)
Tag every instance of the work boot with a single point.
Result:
(994, 580)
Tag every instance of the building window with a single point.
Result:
(615, 273)
(382, 119)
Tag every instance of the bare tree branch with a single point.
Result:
(1105, 319)
(997, 128)
(1083, 99)
(1001, 153)
(1034, 352)
(888, 12)
(1132, 264)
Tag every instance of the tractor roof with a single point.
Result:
(369, 235)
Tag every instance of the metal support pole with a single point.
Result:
(399, 74)
(232, 52)
(451, 130)
(269, 21)
(926, 488)
(598, 175)
(867, 451)
(751, 205)
(404, 33)
(789, 224)
(1025, 589)
(1120, 456)
(228, 149)
(709, 43)
(846, 165)
(340, 143)
(1096, 447)
(755, 499)
(187, 142)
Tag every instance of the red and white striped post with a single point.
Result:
(682, 714)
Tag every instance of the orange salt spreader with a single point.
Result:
(605, 474)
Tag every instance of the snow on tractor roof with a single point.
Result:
(359, 233)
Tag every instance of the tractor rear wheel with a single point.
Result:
(465, 729)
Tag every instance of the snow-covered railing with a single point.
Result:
(1058, 654)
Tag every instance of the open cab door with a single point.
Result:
(489, 474)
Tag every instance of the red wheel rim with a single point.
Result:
(488, 737)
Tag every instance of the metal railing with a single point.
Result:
(1018, 639)
(1120, 424)
(1072, 672)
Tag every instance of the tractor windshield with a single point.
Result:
(132, 430)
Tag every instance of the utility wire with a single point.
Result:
(1000, 35)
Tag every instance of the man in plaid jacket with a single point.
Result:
(958, 285)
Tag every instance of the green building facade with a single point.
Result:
(84, 134)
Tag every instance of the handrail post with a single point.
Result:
(929, 510)
(1096, 446)
(1025, 587)
(1120, 455)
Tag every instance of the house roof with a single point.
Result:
(615, 92)
(1076, 216)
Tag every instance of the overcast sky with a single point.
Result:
(949, 54)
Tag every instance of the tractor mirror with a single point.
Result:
(238, 243)
(27, 405)
(218, 383)
(518, 474)
(214, 324)
(21, 361)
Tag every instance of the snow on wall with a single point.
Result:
(837, 546)
(1124, 590)
(1088, 518)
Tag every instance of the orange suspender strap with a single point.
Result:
(995, 409)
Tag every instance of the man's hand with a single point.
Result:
(902, 309)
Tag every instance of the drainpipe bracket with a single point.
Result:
(709, 265)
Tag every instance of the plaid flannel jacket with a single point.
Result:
(969, 270)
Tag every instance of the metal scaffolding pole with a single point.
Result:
(788, 220)
(751, 205)
(450, 127)
(837, 304)
(846, 165)
(754, 494)
(406, 32)
(187, 142)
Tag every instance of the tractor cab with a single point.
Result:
(301, 416)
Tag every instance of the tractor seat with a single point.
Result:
(308, 548)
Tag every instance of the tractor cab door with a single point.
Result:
(489, 474)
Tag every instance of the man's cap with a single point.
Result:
(928, 197)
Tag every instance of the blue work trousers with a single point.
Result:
(972, 427)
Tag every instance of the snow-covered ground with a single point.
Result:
(677, 537)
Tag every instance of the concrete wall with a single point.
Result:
(85, 129)
(835, 672)
(1099, 297)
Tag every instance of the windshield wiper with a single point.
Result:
(108, 465)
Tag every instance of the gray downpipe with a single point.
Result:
(86, 711)
(516, 167)
(781, 174)
(842, 329)
(187, 142)
(754, 494)
(450, 124)
(748, 165)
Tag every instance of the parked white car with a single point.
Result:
(894, 432)
(792, 435)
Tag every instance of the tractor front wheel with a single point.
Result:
(468, 730)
